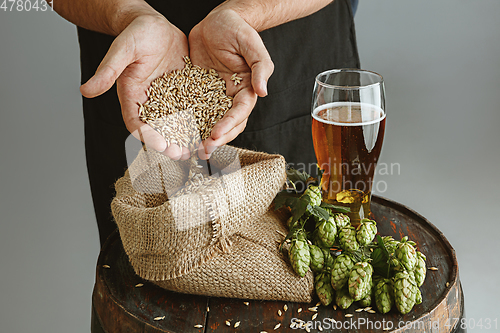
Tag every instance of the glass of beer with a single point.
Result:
(348, 124)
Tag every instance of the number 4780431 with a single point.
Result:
(26, 5)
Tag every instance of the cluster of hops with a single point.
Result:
(351, 264)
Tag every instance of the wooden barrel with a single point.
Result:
(123, 302)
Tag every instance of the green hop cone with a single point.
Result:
(418, 297)
(382, 293)
(300, 257)
(396, 266)
(327, 230)
(420, 269)
(317, 258)
(347, 239)
(367, 300)
(412, 277)
(329, 260)
(390, 244)
(405, 292)
(342, 220)
(406, 254)
(323, 287)
(366, 231)
(340, 271)
(316, 240)
(360, 279)
(343, 299)
(315, 194)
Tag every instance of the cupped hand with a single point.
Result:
(148, 47)
(227, 43)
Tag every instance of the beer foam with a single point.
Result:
(349, 114)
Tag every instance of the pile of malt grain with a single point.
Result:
(184, 105)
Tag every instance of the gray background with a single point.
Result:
(441, 63)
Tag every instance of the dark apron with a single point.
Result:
(280, 123)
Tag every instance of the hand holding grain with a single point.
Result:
(148, 47)
(227, 43)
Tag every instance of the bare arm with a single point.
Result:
(109, 17)
(265, 14)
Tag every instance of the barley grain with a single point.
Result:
(281, 233)
(198, 94)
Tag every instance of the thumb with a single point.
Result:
(259, 61)
(261, 71)
(118, 57)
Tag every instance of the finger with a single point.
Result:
(259, 61)
(243, 103)
(118, 57)
(261, 72)
(146, 134)
(210, 144)
(202, 154)
(173, 151)
(185, 153)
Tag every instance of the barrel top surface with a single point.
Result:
(121, 294)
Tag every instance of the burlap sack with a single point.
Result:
(219, 239)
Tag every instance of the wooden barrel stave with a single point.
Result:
(121, 307)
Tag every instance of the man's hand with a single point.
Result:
(148, 47)
(227, 43)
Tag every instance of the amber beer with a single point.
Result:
(347, 140)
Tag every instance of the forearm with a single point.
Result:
(105, 16)
(265, 14)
